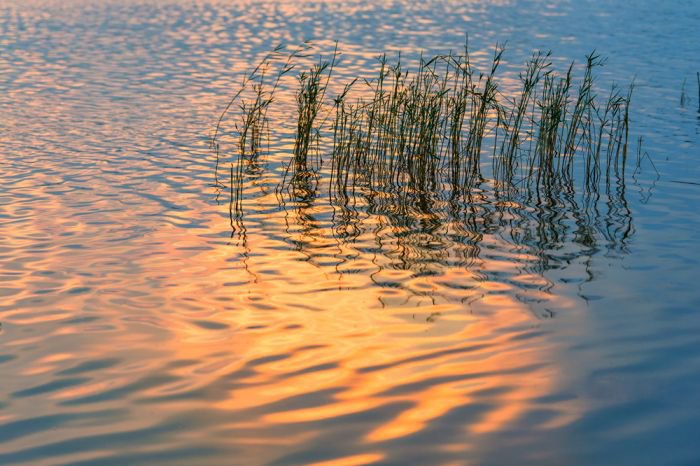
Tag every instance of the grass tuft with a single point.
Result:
(441, 127)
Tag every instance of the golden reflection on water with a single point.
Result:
(308, 329)
(125, 294)
(336, 335)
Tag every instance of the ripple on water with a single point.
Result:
(139, 327)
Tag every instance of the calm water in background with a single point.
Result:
(136, 330)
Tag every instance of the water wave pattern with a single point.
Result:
(136, 329)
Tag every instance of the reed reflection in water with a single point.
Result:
(428, 234)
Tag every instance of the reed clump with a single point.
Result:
(310, 96)
(253, 99)
(443, 125)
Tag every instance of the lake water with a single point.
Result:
(138, 328)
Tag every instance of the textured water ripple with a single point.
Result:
(137, 329)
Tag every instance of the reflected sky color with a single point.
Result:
(137, 329)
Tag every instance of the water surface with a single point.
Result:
(137, 329)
